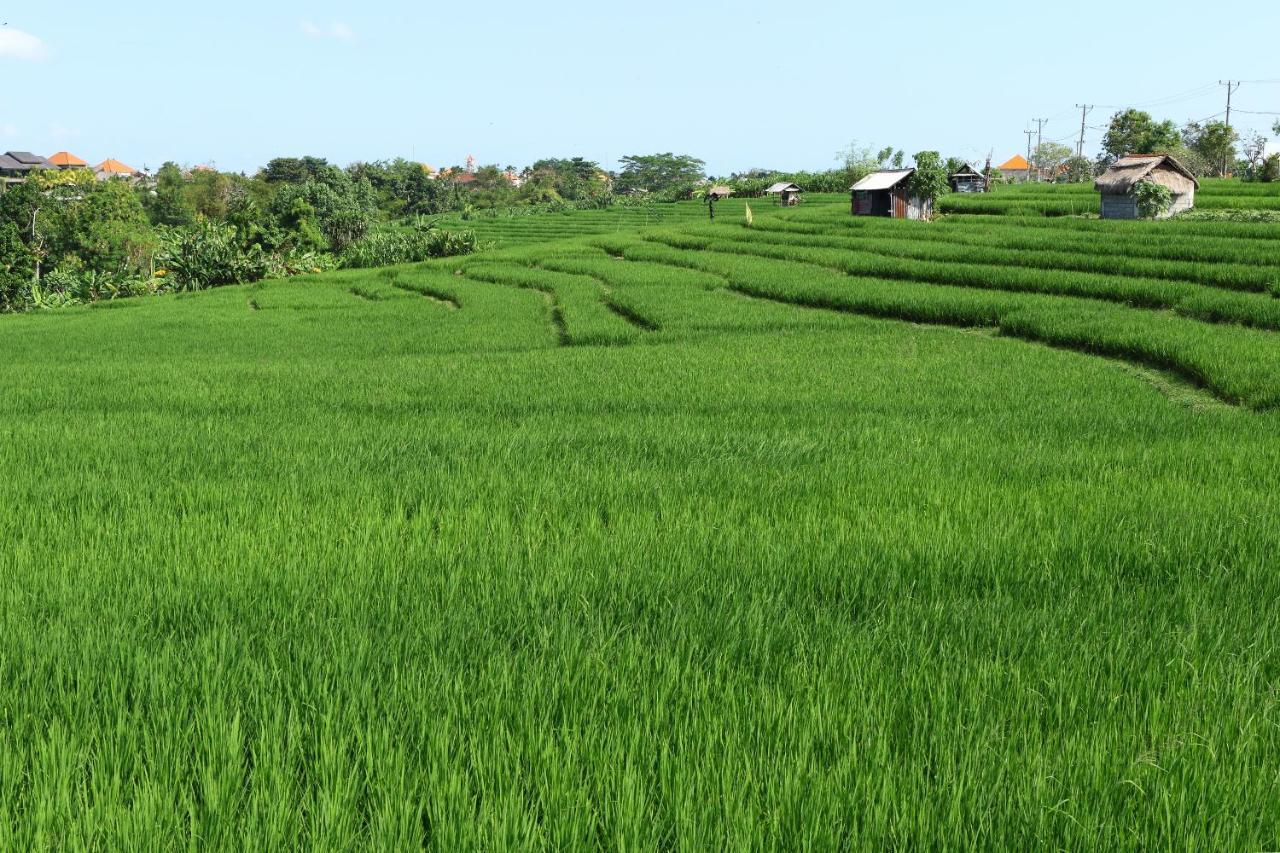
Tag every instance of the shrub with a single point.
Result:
(1270, 171)
(385, 248)
(207, 255)
(17, 266)
(1153, 199)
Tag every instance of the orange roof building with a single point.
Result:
(114, 169)
(67, 160)
(1016, 163)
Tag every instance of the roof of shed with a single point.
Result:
(783, 186)
(966, 171)
(1127, 171)
(884, 180)
(720, 190)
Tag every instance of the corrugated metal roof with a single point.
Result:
(782, 186)
(885, 180)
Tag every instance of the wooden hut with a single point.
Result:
(967, 179)
(719, 193)
(1117, 183)
(788, 194)
(888, 194)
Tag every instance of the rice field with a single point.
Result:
(824, 533)
(1081, 199)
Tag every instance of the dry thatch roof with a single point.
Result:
(720, 192)
(1127, 171)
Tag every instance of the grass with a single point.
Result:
(669, 536)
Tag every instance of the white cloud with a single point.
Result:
(15, 44)
(338, 31)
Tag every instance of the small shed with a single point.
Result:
(1117, 183)
(887, 193)
(967, 179)
(788, 194)
(719, 193)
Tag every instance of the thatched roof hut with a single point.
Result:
(719, 192)
(1117, 183)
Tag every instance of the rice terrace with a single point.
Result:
(914, 504)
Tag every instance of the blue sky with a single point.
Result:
(739, 84)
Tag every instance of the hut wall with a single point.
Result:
(918, 208)
(1119, 206)
(1183, 202)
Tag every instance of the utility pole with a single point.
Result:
(1084, 109)
(1028, 133)
(1231, 85)
(1040, 123)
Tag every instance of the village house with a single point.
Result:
(967, 179)
(1118, 182)
(788, 193)
(110, 168)
(1015, 170)
(15, 166)
(66, 161)
(887, 193)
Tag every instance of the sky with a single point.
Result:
(743, 84)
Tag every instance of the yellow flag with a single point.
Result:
(749, 217)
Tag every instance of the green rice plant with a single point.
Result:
(828, 562)
(1191, 300)
(967, 247)
(577, 309)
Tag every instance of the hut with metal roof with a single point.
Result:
(888, 193)
(788, 193)
(1118, 182)
(967, 179)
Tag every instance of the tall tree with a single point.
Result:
(1214, 142)
(930, 178)
(658, 172)
(1136, 132)
(1049, 156)
(294, 170)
